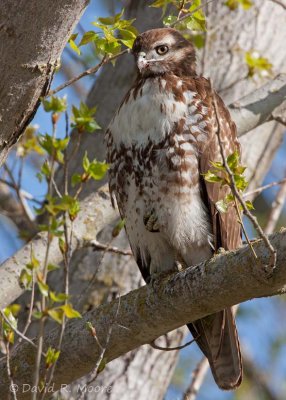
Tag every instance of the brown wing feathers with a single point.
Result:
(216, 334)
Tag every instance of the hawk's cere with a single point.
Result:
(160, 142)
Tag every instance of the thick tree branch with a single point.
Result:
(29, 53)
(153, 310)
(96, 212)
(258, 107)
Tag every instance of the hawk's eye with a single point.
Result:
(163, 49)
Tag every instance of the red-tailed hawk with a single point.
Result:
(160, 143)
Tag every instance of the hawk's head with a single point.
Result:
(158, 51)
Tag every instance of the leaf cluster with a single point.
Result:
(113, 32)
(196, 21)
(234, 4)
(219, 175)
(257, 64)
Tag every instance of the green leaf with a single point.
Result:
(14, 309)
(25, 279)
(62, 245)
(76, 178)
(97, 170)
(74, 47)
(169, 20)
(54, 147)
(111, 20)
(88, 37)
(234, 4)
(102, 365)
(58, 297)
(70, 312)
(127, 34)
(56, 314)
(83, 118)
(52, 356)
(55, 104)
(257, 64)
(218, 165)
(161, 4)
(85, 162)
(8, 328)
(221, 206)
(233, 160)
(34, 263)
(240, 182)
(118, 227)
(37, 314)
(45, 170)
(212, 178)
(43, 287)
(199, 41)
(52, 267)
(249, 205)
(28, 143)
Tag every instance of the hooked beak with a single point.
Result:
(142, 62)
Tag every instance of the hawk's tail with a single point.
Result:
(217, 337)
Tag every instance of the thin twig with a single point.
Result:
(18, 332)
(19, 196)
(12, 386)
(155, 346)
(45, 271)
(262, 188)
(238, 196)
(94, 373)
(29, 319)
(106, 59)
(198, 376)
(189, 14)
(243, 228)
(101, 246)
(181, 9)
(276, 209)
(87, 72)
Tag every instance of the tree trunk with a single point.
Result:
(33, 34)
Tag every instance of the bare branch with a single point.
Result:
(198, 377)
(181, 19)
(183, 346)
(101, 246)
(264, 187)
(276, 209)
(151, 311)
(257, 107)
(89, 71)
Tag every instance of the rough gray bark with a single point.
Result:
(33, 34)
(150, 311)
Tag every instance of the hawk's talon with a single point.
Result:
(154, 279)
(151, 221)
